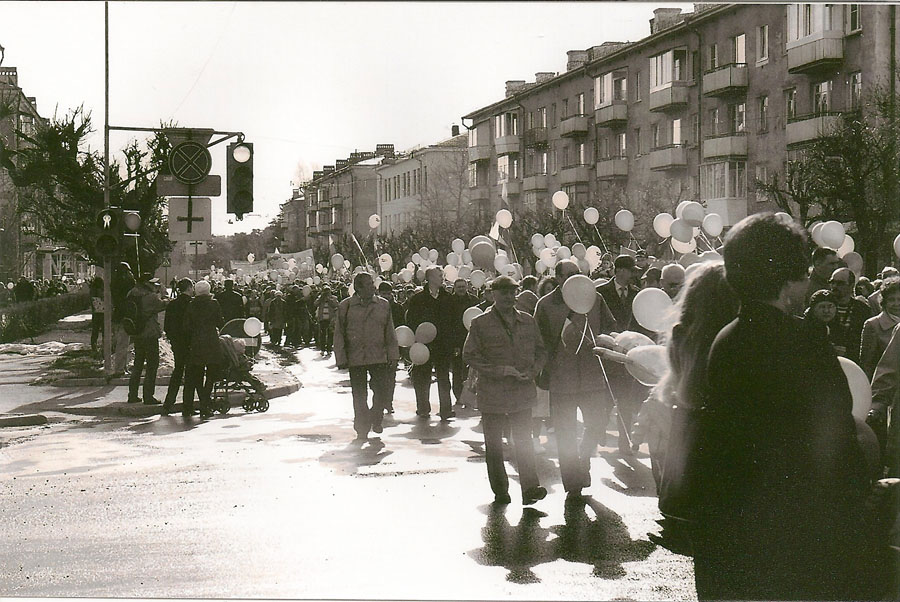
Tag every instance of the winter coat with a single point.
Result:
(440, 312)
(149, 305)
(232, 304)
(178, 332)
(364, 333)
(876, 334)
(326, 308)
(203, 319)
(276, 313)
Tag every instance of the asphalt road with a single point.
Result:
(284, 504)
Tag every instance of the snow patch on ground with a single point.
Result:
(48, 348)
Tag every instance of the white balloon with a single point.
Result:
(416, 258)
(500, 261)
(832, 234)
(458, 245)
(662, 224)
(847, 246)
(684, 247)
(540, 267)
(470, 314)
(465, 271)
(433, 255)
(591, 215)
(579, 250)
(624, 220)
(550, 241)
(692, 213)
(563, 253)
(477, 278)
(374, 220)
(453, 259)
(560, 199)
(680, 209)
(504, 218)
(537, 241)
(681, 231)
(713, 224)
(451, 273)
(548, 256)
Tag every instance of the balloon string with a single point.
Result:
(622, 427)
(672, 247)
(571, 223)
(365, 259)
(706, 240)
(602, 242)
(583, 334)
(637, 244)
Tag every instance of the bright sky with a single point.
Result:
(307, 83)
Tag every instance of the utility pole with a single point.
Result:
(107, 260)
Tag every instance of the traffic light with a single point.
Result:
(239, 172)
(108, 231)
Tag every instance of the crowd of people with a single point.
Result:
(25, 289)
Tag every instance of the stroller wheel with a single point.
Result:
(263, 405)
(249, 405)
(223, 406)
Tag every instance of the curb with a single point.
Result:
(235, 400)
(23, 420)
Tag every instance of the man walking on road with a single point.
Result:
(148, 303)
(505, 347)
(231, 302)
(365, 342)
(179, 335)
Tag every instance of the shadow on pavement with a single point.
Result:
(602, 541)
(356, 454)
(634, 478)
(67, 403)
(428, 432)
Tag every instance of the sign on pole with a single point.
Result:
(190, 218)
(190, 162)
(195, 247)
(168, 185)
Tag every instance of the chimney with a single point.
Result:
(454, 131)
(596, 52)
(663, 18)
(513, 86)
(577, 58)
(542, 76)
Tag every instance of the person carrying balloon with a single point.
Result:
(506, 348)
(569, 318)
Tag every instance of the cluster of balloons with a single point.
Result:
(831, 235)
(682, 230)
(548, 251)
(417, 341)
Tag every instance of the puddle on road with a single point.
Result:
(313, 438)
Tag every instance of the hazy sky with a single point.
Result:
(307, 83)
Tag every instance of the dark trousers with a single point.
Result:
(361, 379)
(575, 458)
(629, 393)
(421, 378)
(194, 381)
(96, 329)
(520, 425)
(459, 372)
(180, 353)
(275, 336)
(391, 386)
(146, 354)
(326, 336)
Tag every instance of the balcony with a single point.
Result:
(673, 96)
(725, 145)
(512, 187)
(536, 137)
(809, 127)
(575, 174)
(337, 201)
(482, 152)
(612, 115)
(819, 52)
(575, 125)
(612, 168)
(673, 156)
(479, 193)
(535, 182)
(324, 204)
(726, 80)
(507, 145)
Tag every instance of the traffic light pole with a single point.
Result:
(107, 260)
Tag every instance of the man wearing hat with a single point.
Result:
(145, 296)
(506, 349)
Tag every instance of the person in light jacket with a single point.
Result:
(365, 342)
(505, 347)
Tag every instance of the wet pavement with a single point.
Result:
(285, 504)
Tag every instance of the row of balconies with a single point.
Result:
(324, 229)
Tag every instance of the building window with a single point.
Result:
(603, 147)
(620, 145)
(762, 175)
(565, 108)
(763, 108)
(530, 119)
(514, 169)
(739, 49)
(638, 149)
(553, 115)
(713, 57)
(498, 126)
(853, 23)
(727, 179)
(542, 162)
(579, 103)
(695, 126)
(762, 43)
(473, 137)
(667, 67)
(737, 117)
(855, 90)
(821, 93)
(790, 103)
(506, 124)
(542, 117)
(654, 136)
(565, 157)
(807, 19)
(502, 169)
(609, 87)
(531, 200)
(637, 86)
(581, 149)
(676, 131)
(714, 121)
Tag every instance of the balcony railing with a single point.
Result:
(535, 182)
(575, 174)
(726, 80)
(725, 145)
(482, 152)
(822, 51)
(612, 168)
(612, 115)
(481, 192)
(507, 145)
(671, 97)
(536, 137)
(805, 128)
(673, 156)
(574, 125)
(512, 187)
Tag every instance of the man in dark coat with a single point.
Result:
(852, 313)
(205, 358)
(231, 302)
(179, 336)
(433, 304)
(147, 301)
(462, 301)
(619, 293)
(781, 476)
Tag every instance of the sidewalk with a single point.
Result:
(108, 397)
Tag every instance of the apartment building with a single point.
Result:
(700, 109)
(293, 222)
(424, 184)
(340, 198)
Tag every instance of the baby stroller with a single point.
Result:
(237, 377)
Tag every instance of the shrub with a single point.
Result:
(24, 320)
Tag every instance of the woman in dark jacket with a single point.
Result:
(203, 319)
